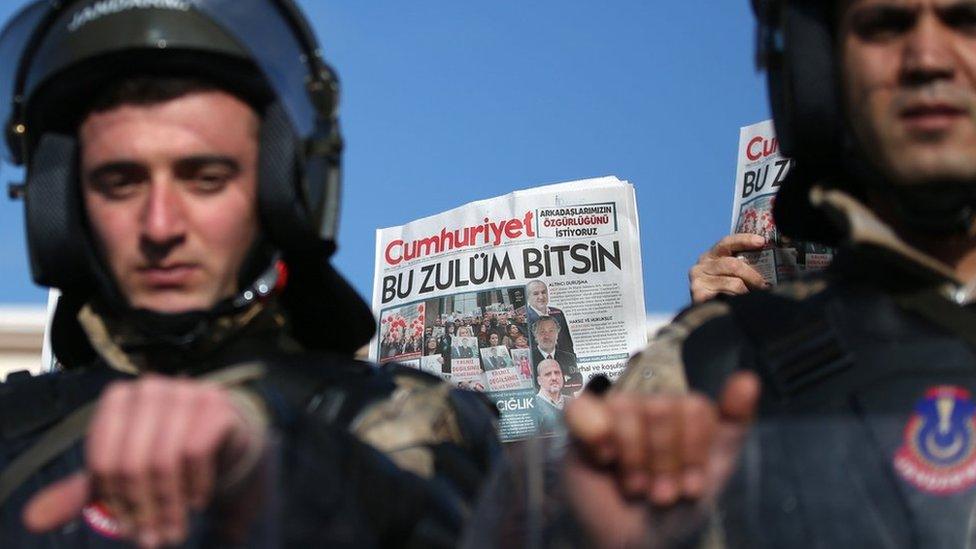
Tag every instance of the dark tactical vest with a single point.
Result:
(329, 488)
(866, 434)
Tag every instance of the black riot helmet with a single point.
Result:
(58, 53)
(796, 46)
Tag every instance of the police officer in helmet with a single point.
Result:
(865, 374)
(182, 182)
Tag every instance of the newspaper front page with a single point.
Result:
(523, 297)
(760, 170)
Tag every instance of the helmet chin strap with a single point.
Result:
(938, 208)
(181, 341)
(184, 330)
(934, 208)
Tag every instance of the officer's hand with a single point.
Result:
(156, 449)
(635, 457)
(718, 271)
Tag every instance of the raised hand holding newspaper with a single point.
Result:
(760, 170)
(524, 297)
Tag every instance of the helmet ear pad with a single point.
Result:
(803, 83)
(281, 195)
(804, 94)
(57, 236)
(327, 313)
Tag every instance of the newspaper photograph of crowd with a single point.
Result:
(507, 342)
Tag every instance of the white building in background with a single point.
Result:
(22, 336)
(656, 321)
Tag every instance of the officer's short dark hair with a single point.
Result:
(147, 90)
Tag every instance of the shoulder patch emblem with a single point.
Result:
(938, 453)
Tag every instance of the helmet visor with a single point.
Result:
(259, 27)
(13, 41)
(274, 46)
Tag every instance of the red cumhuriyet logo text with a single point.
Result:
(761, 147)
(488, 232)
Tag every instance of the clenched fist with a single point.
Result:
(634, 457)
(156, 449)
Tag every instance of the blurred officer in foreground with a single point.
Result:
(182, 182)
(865, 434)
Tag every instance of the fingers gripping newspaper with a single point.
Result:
(761, 169)
(524, 297)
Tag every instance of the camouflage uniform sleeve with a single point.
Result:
(697, 351)
(446, 437)
(424, 420)
(393, 458)
(661, 367)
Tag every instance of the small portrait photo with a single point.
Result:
(494, 358)
(464, 346)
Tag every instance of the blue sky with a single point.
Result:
(447, 102)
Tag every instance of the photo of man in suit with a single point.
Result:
(545, 333)
(461, 351)
(492, 359)
(538, 306)
(464, 344)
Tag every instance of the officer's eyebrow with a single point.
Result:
(184, 167)
(114, 168)
(898, 17)
(959, 14)
(874, 21)
(191, 164)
